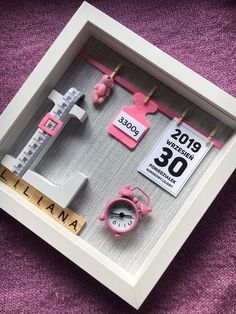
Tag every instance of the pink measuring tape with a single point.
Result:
(131, 124)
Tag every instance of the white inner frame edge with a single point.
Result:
(89, 21)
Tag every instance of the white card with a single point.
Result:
(129, 125)
(175, 156)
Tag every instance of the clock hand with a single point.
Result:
(118, 214)
(128, 216)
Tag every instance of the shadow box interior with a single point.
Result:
(108, 164)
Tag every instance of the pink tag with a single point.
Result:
(131, 124)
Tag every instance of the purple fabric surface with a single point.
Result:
(34, 278)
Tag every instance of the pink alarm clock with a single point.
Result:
(122, 214)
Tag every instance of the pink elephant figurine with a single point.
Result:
(102, 89)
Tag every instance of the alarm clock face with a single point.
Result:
(122, 215)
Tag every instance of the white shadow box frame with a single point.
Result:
(87, 22)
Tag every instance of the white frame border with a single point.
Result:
(86, 21)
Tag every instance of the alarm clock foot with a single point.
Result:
(117, 235)
(101, 217)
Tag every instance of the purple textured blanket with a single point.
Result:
(34, 278)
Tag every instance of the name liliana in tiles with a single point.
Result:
(66, 217)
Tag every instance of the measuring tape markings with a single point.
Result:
(48, 127)
(64, 216)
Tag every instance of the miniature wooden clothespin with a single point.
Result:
(184, 114)
(149, 95)
(102, 89)
(117, 68)
(212, 134)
